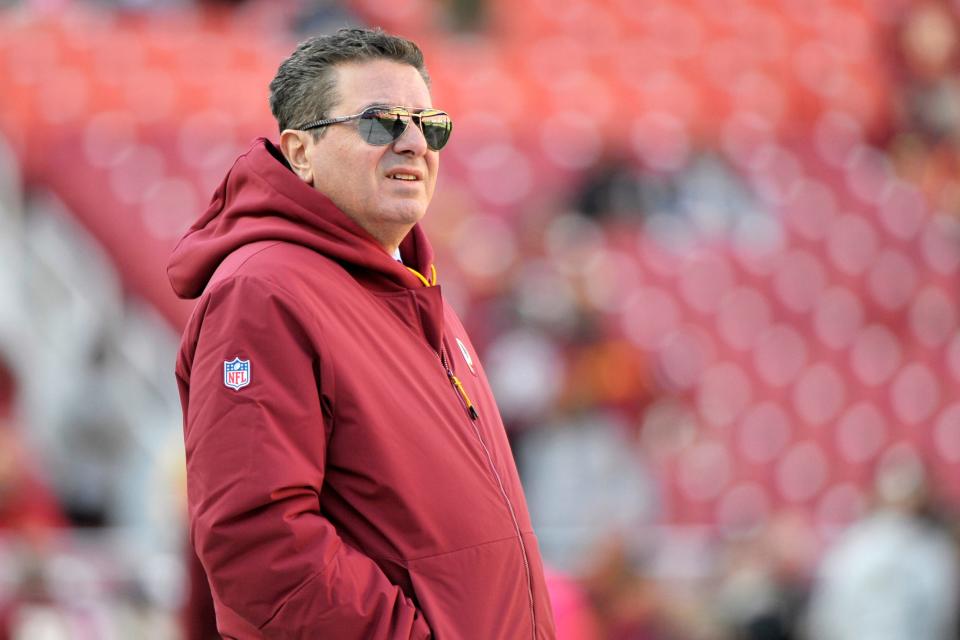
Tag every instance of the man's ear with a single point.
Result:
(294, 145)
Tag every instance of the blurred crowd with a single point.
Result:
(708, 252)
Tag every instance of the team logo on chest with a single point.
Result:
(236, 373)
(466, 355)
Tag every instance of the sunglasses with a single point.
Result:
(383, 125)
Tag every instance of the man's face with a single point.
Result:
(360, 178)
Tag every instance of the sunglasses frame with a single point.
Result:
(416, 116)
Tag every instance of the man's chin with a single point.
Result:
(407, 213)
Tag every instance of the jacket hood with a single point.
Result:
(262, 199)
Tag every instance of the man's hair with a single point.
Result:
(304, 88)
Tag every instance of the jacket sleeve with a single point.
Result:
(255, 468)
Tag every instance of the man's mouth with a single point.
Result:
(410, 174)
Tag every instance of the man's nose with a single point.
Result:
(412, 140)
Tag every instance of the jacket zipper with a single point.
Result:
(474, 415)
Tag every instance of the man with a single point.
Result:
(348, 474)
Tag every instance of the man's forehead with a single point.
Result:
(380, 81)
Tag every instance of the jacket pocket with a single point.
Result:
(398, 574)
(477, 593)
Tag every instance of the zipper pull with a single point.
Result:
(463, 394)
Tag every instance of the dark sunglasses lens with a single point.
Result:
(380, 127)
(436, 130)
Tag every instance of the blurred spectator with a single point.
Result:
(613, 188)
(97, 439)
(925, 146)
(29, 513)
(27, 506)
(628, 603)
(584, 484)
(764, 581)
(894, 575)
(929, 47)
(705, 191)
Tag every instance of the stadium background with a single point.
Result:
(708, 250)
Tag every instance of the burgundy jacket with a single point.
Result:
(348, 473)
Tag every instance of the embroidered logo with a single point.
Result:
(236, 373)
(466, 355)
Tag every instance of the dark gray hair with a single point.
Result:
(304, 88)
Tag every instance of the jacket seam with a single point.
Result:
(466, 548)
(247, 259)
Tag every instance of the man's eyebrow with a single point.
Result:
(377, 104)
(389, 105)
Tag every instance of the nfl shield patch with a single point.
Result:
(236, 373)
